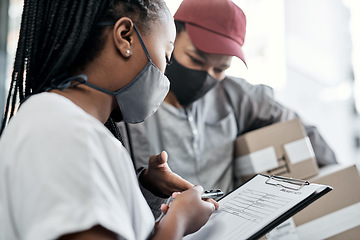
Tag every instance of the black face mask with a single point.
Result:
(187, 84)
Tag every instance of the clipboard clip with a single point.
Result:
(286, 182)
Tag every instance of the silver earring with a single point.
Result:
(128, 52)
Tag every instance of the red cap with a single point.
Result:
(214, 26)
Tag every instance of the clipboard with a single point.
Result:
(258, 206)
(297, 184)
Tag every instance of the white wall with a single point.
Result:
(319, 70)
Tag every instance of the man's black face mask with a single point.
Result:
(187, 84)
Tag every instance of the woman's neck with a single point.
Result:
(94, 102)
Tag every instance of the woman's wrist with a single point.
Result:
(171, 226)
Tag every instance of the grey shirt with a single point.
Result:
(200, 138)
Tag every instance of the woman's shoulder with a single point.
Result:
(53, 112)
(50, 105)
(53, 121)
(51, 132)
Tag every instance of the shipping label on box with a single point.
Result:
(279, 149)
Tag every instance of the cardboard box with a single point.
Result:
(278, 149)
(337, 214)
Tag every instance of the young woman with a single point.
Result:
(63, 175)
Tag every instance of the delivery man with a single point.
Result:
(206, 110)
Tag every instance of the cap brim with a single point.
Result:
(214, 43)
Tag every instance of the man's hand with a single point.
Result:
(160, 180)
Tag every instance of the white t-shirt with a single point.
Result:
(62, 171)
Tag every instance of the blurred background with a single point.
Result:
(307, 51)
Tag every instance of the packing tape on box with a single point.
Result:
(331, 224)
(256, 162)
(299, 150)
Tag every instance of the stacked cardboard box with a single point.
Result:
(337, 214)
(284, 149)
(278, 149)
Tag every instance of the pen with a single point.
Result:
(213, 193)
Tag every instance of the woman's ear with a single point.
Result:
(123, 35)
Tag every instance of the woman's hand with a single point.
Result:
(165, 207)
(160, 180)
(186, 214)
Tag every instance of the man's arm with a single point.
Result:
(257, 103)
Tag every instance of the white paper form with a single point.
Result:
(250, 208)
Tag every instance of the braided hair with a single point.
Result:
(62, 36)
